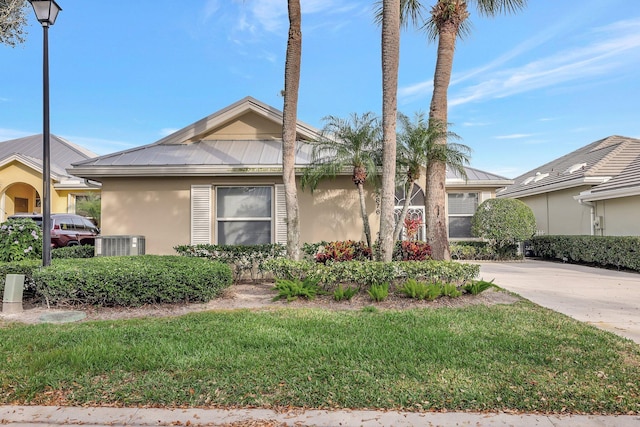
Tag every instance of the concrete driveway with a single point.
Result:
(607, 299)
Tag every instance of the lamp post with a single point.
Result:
(46, 13)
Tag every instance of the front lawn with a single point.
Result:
(518, 357)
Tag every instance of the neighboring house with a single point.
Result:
(593, 190)
(21, 176)
(219, 180)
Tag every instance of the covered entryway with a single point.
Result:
(19, 198)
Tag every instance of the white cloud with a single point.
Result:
(514, 136)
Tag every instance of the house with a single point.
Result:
(594, 190)
(219, 181)
(21, 175)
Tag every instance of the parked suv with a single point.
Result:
(67, 229)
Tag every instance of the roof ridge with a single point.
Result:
(617, 159)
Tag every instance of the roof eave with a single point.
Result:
(564, 185)
(590, 196)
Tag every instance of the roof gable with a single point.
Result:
(245, 119)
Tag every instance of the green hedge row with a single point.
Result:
(243, 259)
(131, 281)
(607, 251)
(370, 273)
(480, 250)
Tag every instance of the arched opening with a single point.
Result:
(19, 198)
(415, 214)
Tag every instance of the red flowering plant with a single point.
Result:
(412, 251)
(347, 250)
(412, 227)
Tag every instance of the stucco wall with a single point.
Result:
(558, 212)
(159, 209)
(621, 217)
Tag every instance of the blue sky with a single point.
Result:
(526, 88)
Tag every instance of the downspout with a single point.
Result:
(592, 206)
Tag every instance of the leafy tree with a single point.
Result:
(417, 147)
(89, 206)
(289, 126)
(13, 19)
(503, 222)
(390, 62)
(347, 143)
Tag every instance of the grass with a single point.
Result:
(519, 357)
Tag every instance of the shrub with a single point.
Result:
(131, 280)
(20, 239)
(603, 251)
(84, 251)
(503, 222)
(369, 272)
(379, 292)
(411, 251)
(347, 250)
(477, 286)
(414, 289)
(292, 289)
(450, 290)
(341, 294)
(243, 259)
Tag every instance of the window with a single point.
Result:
(461, 208)
(415, 214)
(244, 215)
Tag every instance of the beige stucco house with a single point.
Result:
(593, 190)
(21, 175)
(219, 180)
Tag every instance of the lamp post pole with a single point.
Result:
(46, 13)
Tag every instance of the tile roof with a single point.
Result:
(592, 164)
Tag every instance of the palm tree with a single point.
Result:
(390, 61)
(347, 143)
(417, 147)
(447, 22)
(289, 126)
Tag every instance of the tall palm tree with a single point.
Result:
(289, 122)
(390, 61)
(447, 22)
(347, 143)
(417, 147)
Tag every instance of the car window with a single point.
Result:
(78, 224)
(65, 222)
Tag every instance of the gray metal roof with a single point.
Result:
(477, 175)
(29, 150)
(592, 164)
(228, 153)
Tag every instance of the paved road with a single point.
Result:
(607, 299)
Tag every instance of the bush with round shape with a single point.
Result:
(503, 222)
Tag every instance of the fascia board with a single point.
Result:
(555, 187)
(193, 170)
(589, 196)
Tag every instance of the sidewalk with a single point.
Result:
(53, 416)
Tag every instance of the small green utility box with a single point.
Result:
(13, 287)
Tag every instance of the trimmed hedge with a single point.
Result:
(241, 258)
(369, 272)
(131, 280)
(26, 267)
(77, 251)
(607, 251)
(480, 250)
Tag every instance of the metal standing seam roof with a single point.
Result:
(229, 153)
(590, 165)
(63, 152)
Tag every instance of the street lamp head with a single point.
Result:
(46, 11)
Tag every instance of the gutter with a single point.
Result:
(592, 207)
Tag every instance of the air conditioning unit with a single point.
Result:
(119, 245)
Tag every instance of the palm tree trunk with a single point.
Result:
(437, 233)
(390, 61)
(363, 212)
(405, 208)
(289, 124)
